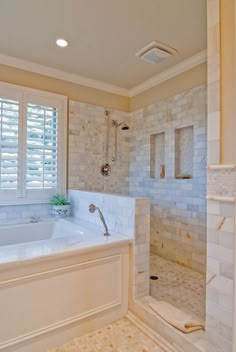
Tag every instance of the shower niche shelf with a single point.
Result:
(184, 152)
(157, 155)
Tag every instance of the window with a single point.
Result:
(32, 144)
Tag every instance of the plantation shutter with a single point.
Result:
(42, 142)
(9, 131)
(32, 144)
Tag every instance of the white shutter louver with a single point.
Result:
(33, 130)
(42, 142)
(9, 126)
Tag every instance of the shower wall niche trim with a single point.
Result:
(184, 152)
(157, 155)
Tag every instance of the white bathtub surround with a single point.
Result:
(23, 213)
(87, 146)
(65, 285)
(126, 215)
(51, 237)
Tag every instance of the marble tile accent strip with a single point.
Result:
(221, 199)
(221, 167)
(221, 182)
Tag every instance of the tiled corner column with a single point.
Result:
(220, 256)
(141, 248)
(129, 216)
(213, 77)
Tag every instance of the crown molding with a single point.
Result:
(183, 66)
(59, 74)
(91, 83)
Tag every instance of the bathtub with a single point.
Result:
(57, 279)
(39, 231)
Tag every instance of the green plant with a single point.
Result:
(59, 199)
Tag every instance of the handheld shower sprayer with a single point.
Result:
(92, 209)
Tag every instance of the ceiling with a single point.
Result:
(103, 35)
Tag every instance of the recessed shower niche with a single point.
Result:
(157, 155)
(184, 152)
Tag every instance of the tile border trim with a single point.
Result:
(221, 199)
(221, 167)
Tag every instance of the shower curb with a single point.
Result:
(153, 335)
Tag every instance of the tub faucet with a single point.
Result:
(92, 209)
(34, 219)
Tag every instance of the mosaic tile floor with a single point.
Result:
(121, 336)
(177, 285)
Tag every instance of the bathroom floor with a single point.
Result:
(180, 286)
(121, 336)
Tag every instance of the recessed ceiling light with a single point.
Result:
(62, 42)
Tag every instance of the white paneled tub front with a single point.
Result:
(59, 279)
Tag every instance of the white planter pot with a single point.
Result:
(61, 210)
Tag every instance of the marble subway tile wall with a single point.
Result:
(128, 216)
(220, 255)
(87, 146)
(178, 206)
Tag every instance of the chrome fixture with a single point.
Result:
(34, 219)
(124, 126)
(92, 209)
(106, 167)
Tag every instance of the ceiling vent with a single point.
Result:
(155, 52)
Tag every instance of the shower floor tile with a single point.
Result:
(177, 285)
(121, 336)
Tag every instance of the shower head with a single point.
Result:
(123, 125)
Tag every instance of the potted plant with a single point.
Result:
(61, 206)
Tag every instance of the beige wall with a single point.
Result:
(228, 126)
(73, 91)
(187, 80)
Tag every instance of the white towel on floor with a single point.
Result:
(181, 320)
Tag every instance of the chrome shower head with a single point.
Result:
(124, 126)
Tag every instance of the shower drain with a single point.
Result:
(154, 277)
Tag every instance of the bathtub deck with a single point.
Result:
(121, 336)
(93, 239)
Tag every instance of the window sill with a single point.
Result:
(23, 202)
